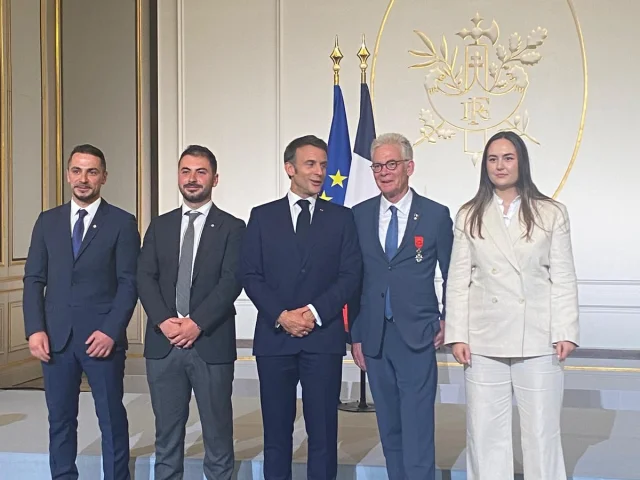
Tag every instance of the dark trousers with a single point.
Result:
(62, 378)
(171, 380)
(403, 385)
(320, 376)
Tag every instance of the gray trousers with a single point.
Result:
(171, 380)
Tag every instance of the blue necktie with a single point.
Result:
(78, 232)
(390, 248)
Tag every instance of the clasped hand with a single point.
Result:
(299, 322)
(181, 332)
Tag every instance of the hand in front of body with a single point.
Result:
(39, 346)
(188, 333)
(297, 322)
(462, 353)
(358, 356)
(564, 349)
(438, 340)
(171, 327)
(100, 345)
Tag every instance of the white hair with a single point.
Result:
(394, 139)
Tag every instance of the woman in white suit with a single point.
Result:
(512, 315)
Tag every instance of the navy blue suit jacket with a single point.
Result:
(416, 310)
(277, 276)
(96, 291)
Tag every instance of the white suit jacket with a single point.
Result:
(508, 296)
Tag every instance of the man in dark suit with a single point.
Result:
(188, 286)
(79, 295)
(300, 263)
(399, 327)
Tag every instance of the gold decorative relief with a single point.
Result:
(480, 90)
(476, 82)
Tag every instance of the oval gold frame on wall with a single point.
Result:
(583, 115)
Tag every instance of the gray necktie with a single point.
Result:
(183, 287)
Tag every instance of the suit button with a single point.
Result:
(494, 271)
(494, 300)
(382, 295)
(389, 267)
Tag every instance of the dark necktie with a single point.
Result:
(390, 248)
(183, 285)
(303, 223)
(78, 232)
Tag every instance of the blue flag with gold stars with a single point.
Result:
(339, 153)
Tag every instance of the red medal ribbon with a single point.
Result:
(419, 241)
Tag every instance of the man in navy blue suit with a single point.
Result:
(300, 264)
(399, 327)
(79, 295)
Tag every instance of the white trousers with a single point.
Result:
(538, 383)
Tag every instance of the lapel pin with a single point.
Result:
(321, 210)
(416, 216)
(212, 225)
(94, 225)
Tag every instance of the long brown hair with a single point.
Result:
(529, 193)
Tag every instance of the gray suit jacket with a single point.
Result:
(415, 304)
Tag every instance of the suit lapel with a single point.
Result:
(173, 242)
(375, 223)
(318, 223)
(494, 224)
(95, 225)
(412, 222)
(515, 229)
(65, 233)
(210, 230)
(283, 223)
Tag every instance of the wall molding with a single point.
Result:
(21, 345)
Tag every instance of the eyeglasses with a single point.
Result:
(391, 165)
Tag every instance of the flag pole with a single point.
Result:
(360, 405)
(336, 56)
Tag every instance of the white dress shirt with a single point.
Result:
(198, 226)
(404, 207)
(513, 208)
(295, 210)
(88, 218)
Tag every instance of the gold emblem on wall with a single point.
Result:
(479, 88)
(534, 120)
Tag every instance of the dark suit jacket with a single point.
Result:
(97, 291)
(214, 287)
(413, 297)
(277, 276)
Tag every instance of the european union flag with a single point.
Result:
(339, 152)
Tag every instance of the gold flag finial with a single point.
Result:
(363, 54)
(336, 56)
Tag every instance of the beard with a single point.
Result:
(200, 195)
(87, 196)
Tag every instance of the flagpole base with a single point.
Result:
(356, 407)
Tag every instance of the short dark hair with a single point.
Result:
(200, 151)
(89, 149)
(307, 140)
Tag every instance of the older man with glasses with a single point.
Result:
(400, 325)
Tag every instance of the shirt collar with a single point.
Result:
(293, 199)
(204, 209)
(403, 205)
(500, 201)
(91, 208)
